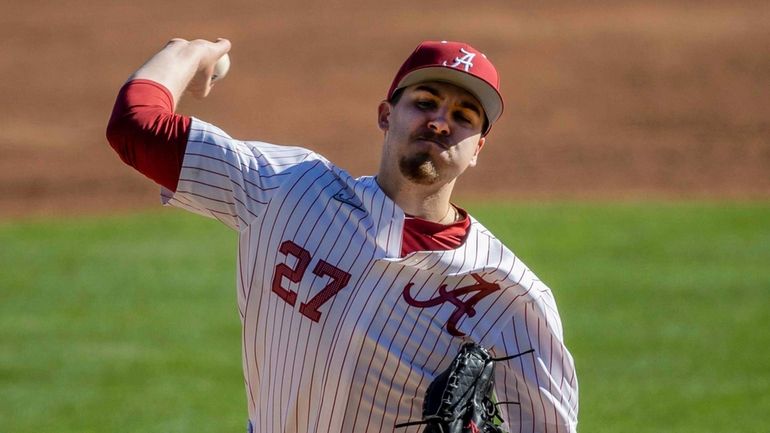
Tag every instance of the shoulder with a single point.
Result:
(209, 140)
(503, 265)
(484, 232)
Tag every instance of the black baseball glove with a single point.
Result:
(462, 399)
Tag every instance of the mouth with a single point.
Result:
(438, 142)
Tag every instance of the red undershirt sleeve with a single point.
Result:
(147, 134)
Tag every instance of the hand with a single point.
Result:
(209, 53)
(184, 66)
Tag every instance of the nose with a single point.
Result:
(439, 124)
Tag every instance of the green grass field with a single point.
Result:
(129, 324)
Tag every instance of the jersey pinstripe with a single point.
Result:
(340, 334)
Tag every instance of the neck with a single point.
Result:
(429, 202)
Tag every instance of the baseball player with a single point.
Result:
(354, 292)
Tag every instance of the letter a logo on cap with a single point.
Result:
(464, 60)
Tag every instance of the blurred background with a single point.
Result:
(605, 99)
(630, 171)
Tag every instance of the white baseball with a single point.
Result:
(221, 68)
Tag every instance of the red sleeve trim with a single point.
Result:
(147, 134)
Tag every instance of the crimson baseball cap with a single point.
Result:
(456, 63)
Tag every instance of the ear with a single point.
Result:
(383, 116)
(480, 144)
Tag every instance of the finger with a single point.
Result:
(175, 41)
(222, 46)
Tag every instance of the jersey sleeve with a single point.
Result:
(543, 382)
(229, 179)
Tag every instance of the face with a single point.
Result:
(432, 134)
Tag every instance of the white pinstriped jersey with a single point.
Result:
(340, 334)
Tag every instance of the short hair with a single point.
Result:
(396, 96)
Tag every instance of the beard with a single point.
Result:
(419, 168)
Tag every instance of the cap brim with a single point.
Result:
(490, 99)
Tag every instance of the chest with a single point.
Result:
(322, 268)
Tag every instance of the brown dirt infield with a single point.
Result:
(605, 100)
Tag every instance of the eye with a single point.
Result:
(462, 117)
(425, 104)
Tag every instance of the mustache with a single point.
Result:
(430, 135)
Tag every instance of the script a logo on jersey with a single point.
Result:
(462, 307)
(466, 61)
